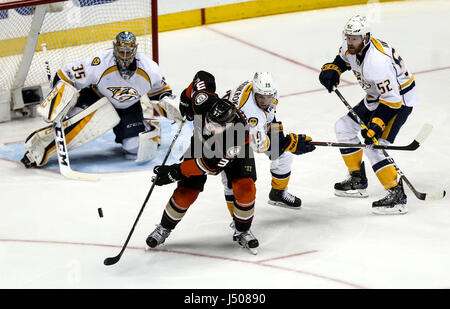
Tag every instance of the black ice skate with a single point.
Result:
(354, 186)
(283, 198)
(394, 203)
(158, 236)
(246, 240)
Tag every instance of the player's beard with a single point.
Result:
(353, 50)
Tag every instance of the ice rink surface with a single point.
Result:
(52, 237)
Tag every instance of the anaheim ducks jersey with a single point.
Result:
(101, 73)
(258, 119)
(382, 74)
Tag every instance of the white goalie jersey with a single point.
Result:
(383, 75)
(102, 74)
(258, 119)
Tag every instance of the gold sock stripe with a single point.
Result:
(353, 160)
(230, 206)
(387, 176)
(280, 184)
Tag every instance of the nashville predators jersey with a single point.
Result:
(258, 119)
(102, 74)
(382, 74)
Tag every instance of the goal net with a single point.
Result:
(39, 35)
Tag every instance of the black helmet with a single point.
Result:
(221, 113)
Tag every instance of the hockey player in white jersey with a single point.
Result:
(390, 98)
(109, 89)
(258, 100)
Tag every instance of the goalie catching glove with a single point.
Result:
(166, 107)
(166, 174)
(297, 144)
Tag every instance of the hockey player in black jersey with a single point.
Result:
(220, 142)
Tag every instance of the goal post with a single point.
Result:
(40, 36)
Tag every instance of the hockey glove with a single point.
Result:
(297, 144)
(166, 174)
(329, 76)
(185, 107)
(375, 127)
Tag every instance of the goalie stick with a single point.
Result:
(420, 138)
(63, 157)
(60, 139)
(420, 195)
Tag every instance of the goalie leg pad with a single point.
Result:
(80, 129)
(58, 103)
(148, 144)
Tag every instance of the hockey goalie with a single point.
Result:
(108, 91)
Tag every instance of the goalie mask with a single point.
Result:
(264, 89)
(219, 116)
(125, 48)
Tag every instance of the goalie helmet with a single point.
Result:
(357, 25)
(125, 48)
(264, 89)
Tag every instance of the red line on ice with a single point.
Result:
(257, 263)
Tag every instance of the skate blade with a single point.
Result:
(281, 204)
(253, 251)
(361, 193)
(396, 210)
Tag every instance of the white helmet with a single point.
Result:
(357, 25)
(263, 84)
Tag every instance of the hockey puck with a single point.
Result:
(100, 212)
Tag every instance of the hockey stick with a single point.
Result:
(113, 260)
(63, 157)
(46, 63)
(420, 138)
(60, 139)
(418, 194)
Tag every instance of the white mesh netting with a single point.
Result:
(72, 30)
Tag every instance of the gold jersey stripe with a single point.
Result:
(407, 83)
(108, 71)
(391, 104)
(245, 95)
(144, 75)
(378, 46)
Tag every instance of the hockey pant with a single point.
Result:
(347, 129)
(241, 175)
(280, 170)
